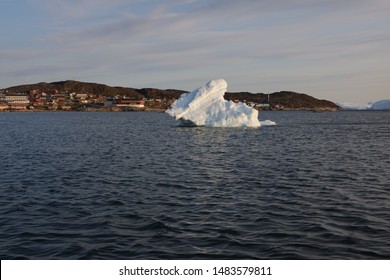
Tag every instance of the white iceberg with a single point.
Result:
(381, 105)
(378, 105)
(267, 122)
(353, 106)
(206, 106)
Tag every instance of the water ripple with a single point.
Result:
(134, 186)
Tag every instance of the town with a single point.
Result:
(55, 100)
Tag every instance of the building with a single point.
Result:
(3, 105)
(130, 103)
(82, 96)
(18, 102)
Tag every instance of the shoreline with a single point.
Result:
(85, 110)
(162, 111)
(154, 109)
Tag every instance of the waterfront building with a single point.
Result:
(17, 102)
(3, 105)
(130, 103)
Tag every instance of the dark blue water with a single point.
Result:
(134, 186)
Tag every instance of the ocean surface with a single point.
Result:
(134, 186)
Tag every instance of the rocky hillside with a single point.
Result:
(99, 89)
(285, 99)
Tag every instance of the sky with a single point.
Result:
(337, 50)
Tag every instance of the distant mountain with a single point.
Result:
(278, 100)
(378, 105)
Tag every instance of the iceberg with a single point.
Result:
(378, 105)
(381, 105)
(267, 122)
(353, 106)
(206, 106)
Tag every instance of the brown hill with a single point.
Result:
(80, 87)
(286, 99)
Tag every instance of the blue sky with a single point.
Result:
(335, 49)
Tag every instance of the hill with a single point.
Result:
(286, 100)
(98, 89)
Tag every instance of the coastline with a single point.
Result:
(83, 110)
(77, 96)
(151, 110)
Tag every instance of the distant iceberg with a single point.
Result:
(378, 105)
(352, 106)
(206, 106)
(381, 105)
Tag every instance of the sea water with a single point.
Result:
(135, 186)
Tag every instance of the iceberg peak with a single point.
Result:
(206, 106)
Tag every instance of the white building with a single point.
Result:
(130, 103)
(18, 102)
(19, 99)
